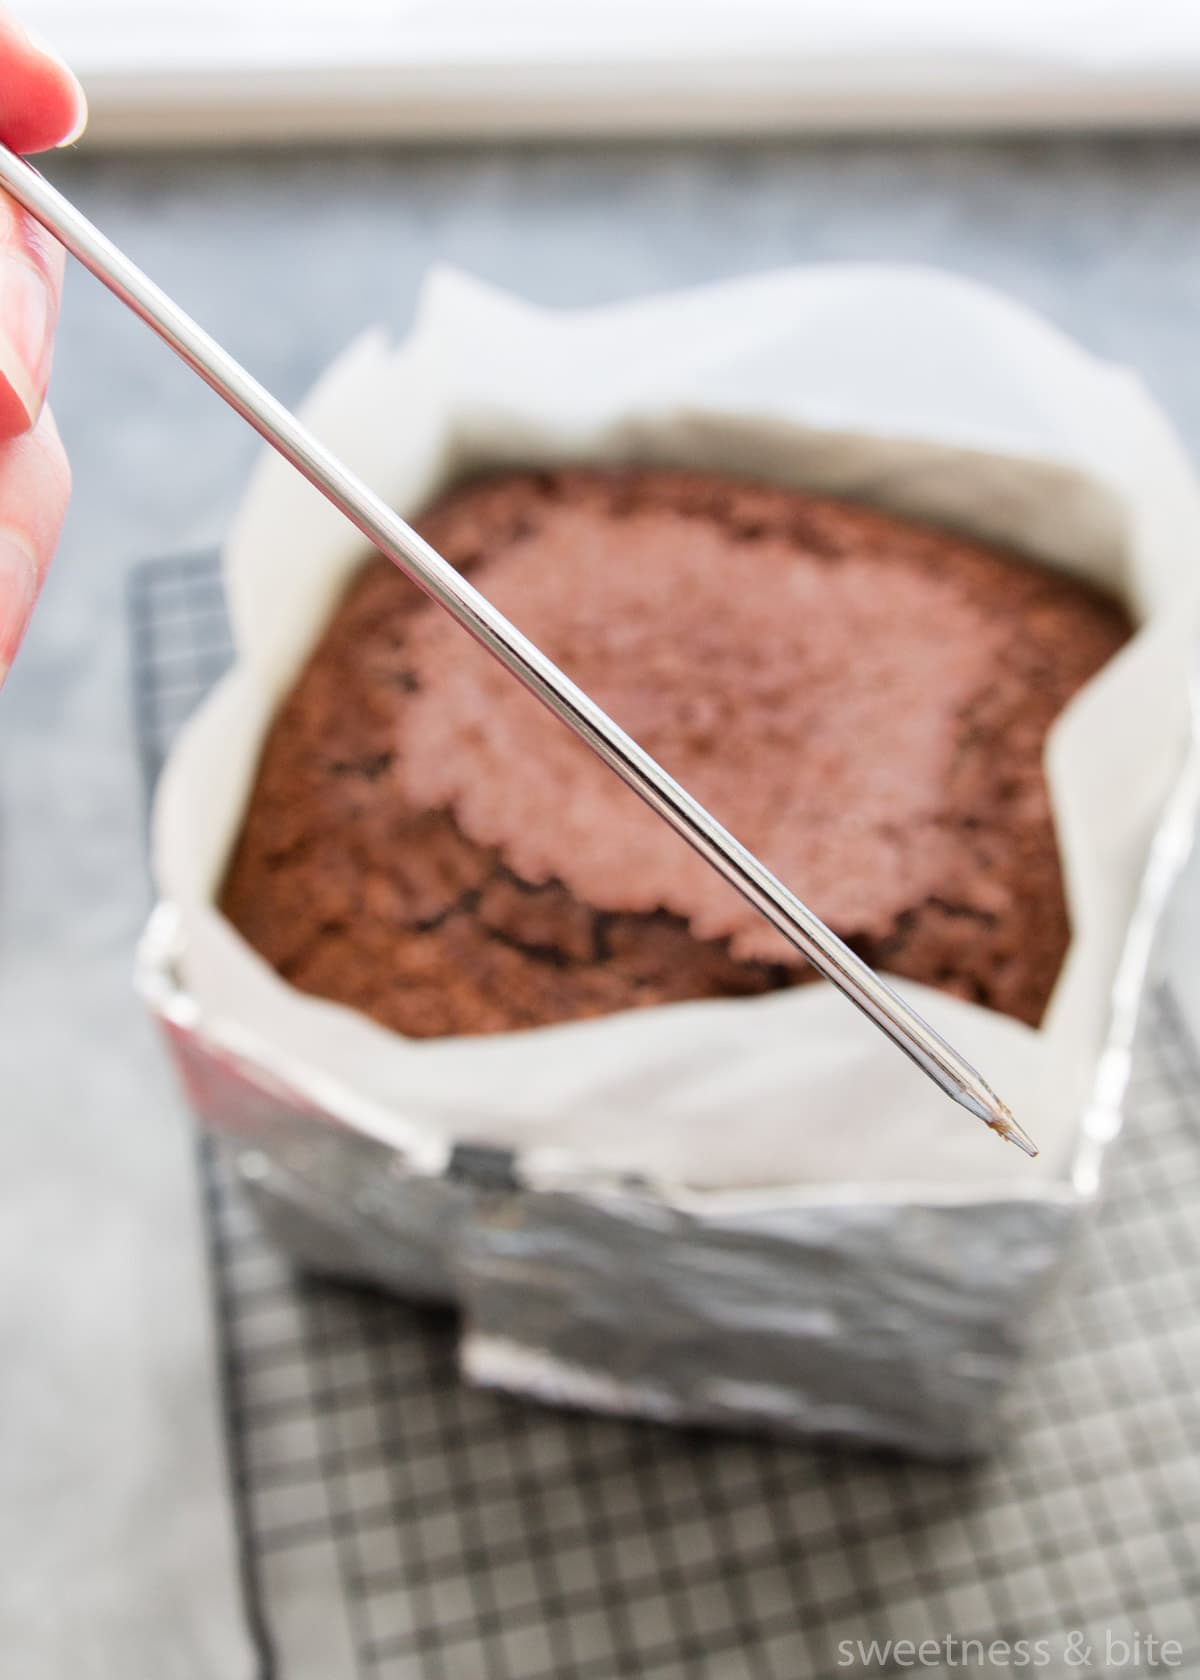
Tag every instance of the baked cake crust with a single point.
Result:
(863, 700)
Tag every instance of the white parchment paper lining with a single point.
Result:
(905, 388)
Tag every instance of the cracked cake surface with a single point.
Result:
(862, 699)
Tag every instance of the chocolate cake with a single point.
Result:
(863, 700)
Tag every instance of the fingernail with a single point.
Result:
(41, 45)
(18, 591)
(81, 119)
(26, 331)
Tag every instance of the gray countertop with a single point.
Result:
(285, 256)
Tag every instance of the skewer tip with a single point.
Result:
(977, 1096)
(1003, 1122)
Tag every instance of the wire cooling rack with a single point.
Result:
(394, 1523)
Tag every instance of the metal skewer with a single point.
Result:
(426, 568)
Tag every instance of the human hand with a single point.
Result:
(41, 105)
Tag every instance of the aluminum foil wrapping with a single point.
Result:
(890, 1312)
(894, 1323)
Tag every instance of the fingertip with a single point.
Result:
(71, 106)
(42, 102)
